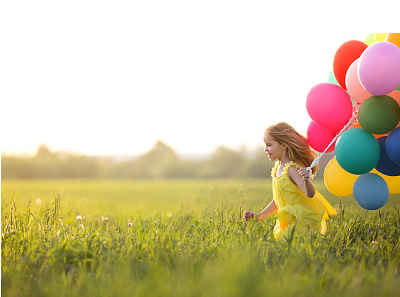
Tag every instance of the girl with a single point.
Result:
(294, 196)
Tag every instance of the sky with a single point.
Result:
(113, 77)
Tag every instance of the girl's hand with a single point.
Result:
(248, 215)
(304, 173)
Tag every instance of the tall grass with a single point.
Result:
(193, 243)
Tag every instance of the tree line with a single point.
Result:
(161, 161)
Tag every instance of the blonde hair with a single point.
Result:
(298, 148)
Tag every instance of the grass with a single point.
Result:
(185, 238)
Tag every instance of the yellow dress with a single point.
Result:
(294, 206)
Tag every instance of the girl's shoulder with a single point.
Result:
(290, 164)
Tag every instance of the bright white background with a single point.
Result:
(113, 77)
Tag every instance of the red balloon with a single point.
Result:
(346, 54)
(319, 137)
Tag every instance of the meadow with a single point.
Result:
(186, 238)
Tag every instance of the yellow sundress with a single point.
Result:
(293, 205)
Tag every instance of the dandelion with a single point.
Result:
(79, 217)
(106, 219)
(38, 201)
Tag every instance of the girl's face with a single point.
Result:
(274, 149)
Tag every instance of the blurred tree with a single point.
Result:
(156, 162)
(223, 163)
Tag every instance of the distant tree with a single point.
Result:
(156, 162)
(43, 152)
(224, 163)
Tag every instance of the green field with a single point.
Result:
(185, 238)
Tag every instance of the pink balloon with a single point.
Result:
(319, 137)
(329, 106)
(379, 68)
(353, 85)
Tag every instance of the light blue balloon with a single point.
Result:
(370, 191)
(332, 79)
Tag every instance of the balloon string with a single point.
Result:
(316, 160)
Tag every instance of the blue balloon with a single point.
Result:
(385, 164)
(393, 145)
(370, 191)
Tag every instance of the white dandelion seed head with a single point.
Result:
(79, 217)
(38, 201)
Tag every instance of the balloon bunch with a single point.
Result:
(363, 92)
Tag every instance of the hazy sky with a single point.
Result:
(112, 77)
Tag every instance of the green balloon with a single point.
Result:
(370, 39)
(379, 114)
(357, 151)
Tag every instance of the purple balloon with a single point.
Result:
(379, 68)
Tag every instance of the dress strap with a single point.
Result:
(274, 169)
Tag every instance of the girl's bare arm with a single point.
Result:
(300, 177)
(268, 211)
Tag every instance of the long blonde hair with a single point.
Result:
(298, 148)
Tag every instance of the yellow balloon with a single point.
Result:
(393, 182)
(393, 38)
(337, 180)
(380, 36)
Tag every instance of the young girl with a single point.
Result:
(294, 195)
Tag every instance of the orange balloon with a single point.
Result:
(393, 38)
(357, 125)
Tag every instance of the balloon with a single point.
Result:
(395, 95)
(393, 145)
(380, 36)
(371, 191)
(393, 38)
(332, 79)
(393, 182)
(379, 114)
(357, 125)
(379, 68)
(344, 56)
(385, 164)
(353, 85)
(337, 180)
(370, 39)
(357, 151)
(329, 105)
(319, 137)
